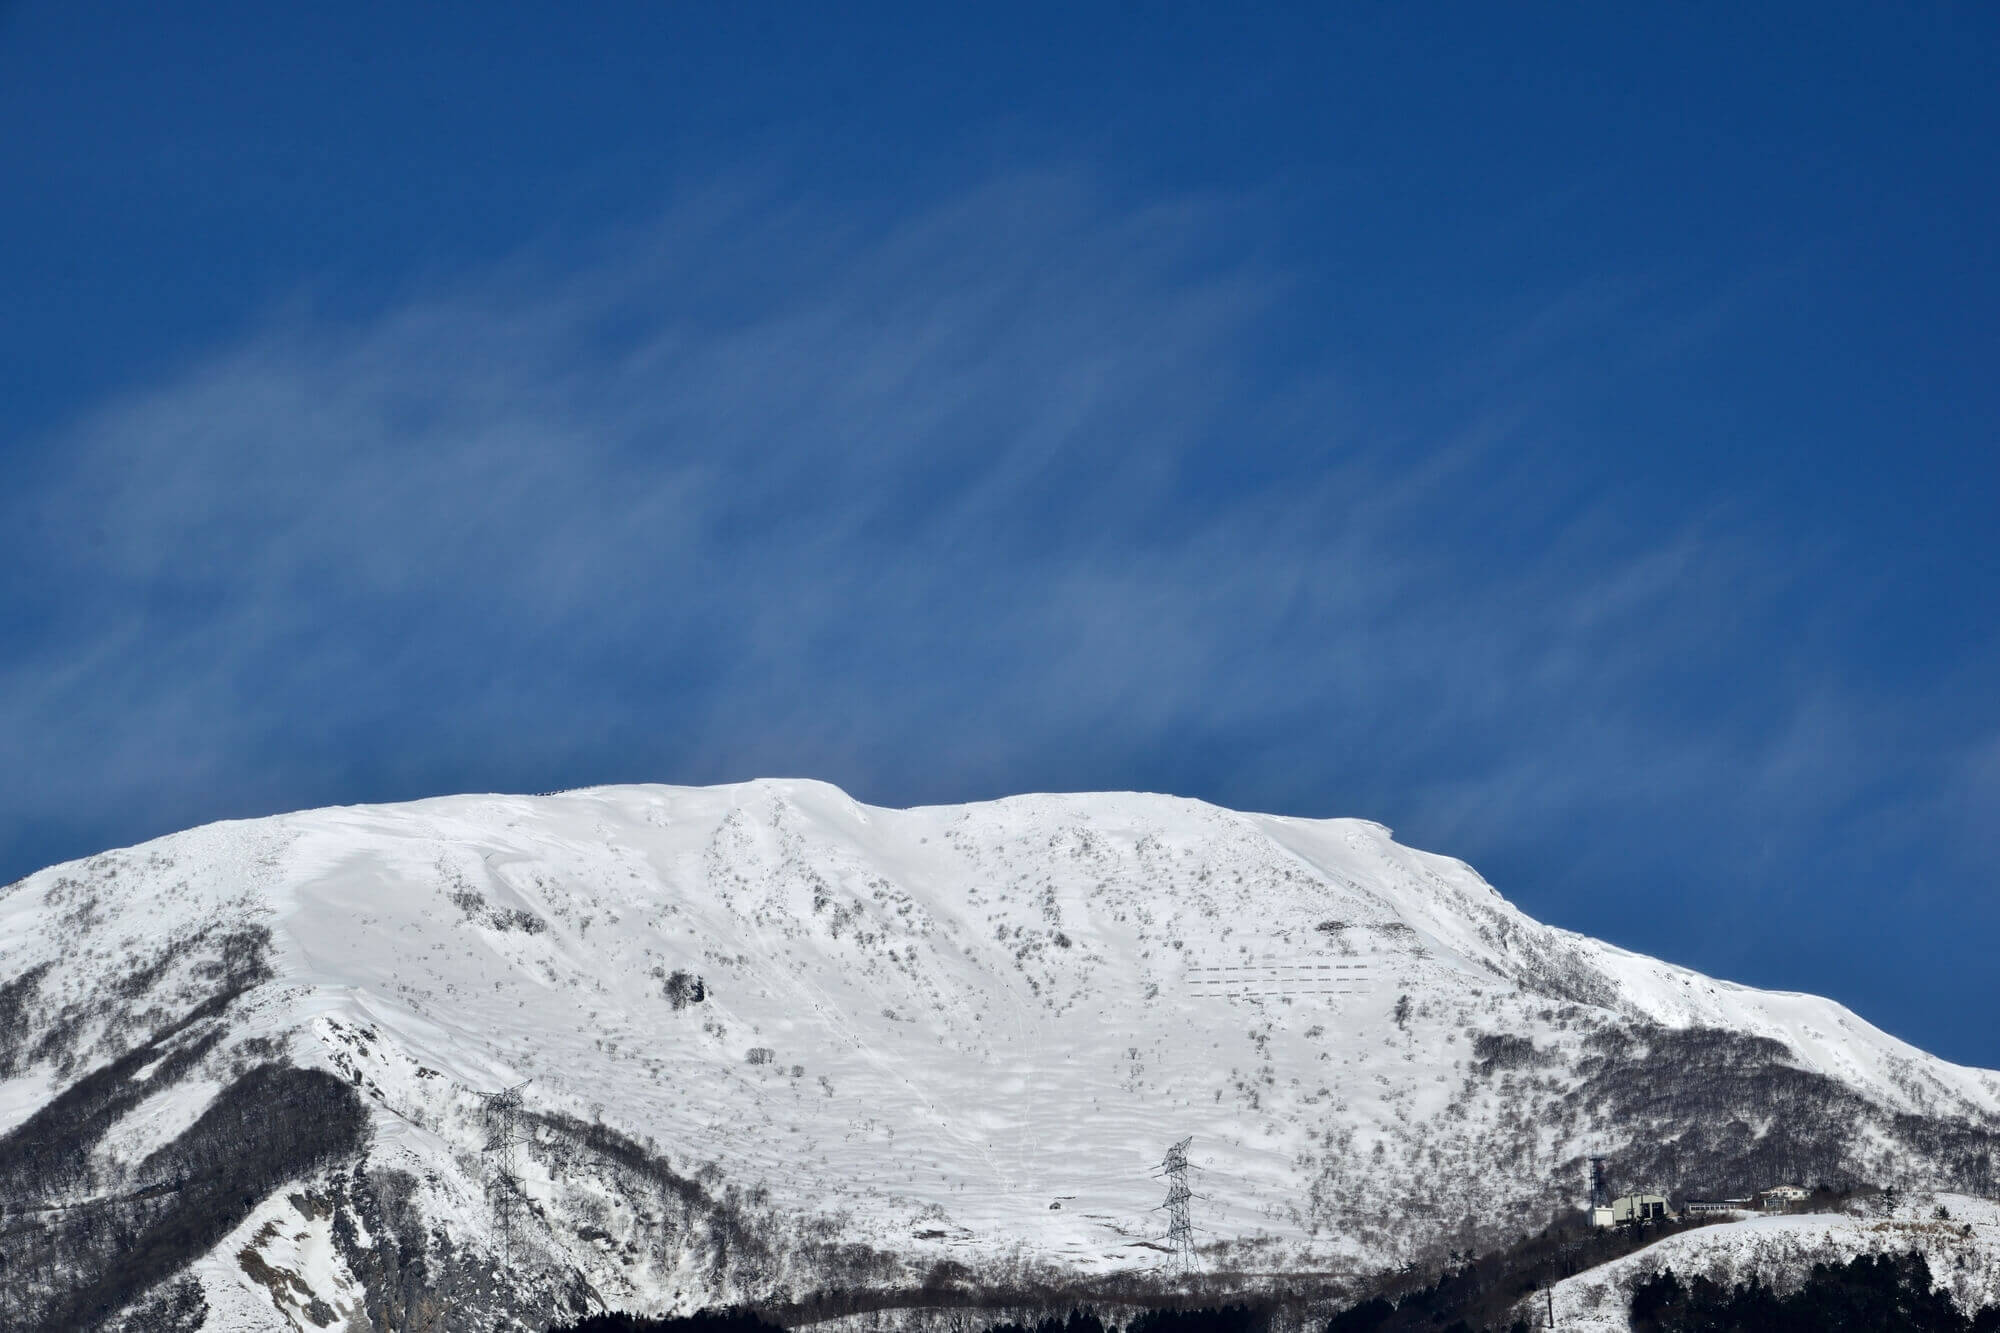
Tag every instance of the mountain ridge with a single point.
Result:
(773, 1039)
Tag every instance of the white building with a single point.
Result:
(1780, 1197)
(1631, 1208)
(1715, 1207)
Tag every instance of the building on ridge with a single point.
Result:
(1780, 1197)
(1717, 1207)
(1632, 1208)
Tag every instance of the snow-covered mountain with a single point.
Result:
(774, 1040)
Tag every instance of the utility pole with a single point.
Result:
(502, 1116)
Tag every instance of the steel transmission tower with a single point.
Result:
(1180, 1227)
(502, 1116)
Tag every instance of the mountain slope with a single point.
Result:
(773, 1038)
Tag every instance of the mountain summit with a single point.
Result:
(489, 1057)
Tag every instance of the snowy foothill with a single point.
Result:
(1962, 1248)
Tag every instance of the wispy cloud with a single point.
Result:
(1008, 493)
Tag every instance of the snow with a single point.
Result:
(159, 1119)
(23, 1095)
(972, 1011)
(271, 1270)
(1963, 1253)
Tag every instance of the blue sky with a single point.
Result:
(1565, 435)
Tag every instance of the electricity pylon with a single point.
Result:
(502, 1116)
(1180, 1226)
